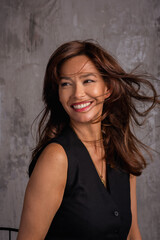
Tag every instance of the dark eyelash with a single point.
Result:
(88, 80)
(64, 84)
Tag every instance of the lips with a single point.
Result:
(81, 106)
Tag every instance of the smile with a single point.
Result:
(80, 106)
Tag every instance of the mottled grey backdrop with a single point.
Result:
(29, 32)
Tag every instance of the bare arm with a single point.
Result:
(44, 193)
(134, 233)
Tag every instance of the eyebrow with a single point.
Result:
(67, 78)
(82, 76)
(88, 75)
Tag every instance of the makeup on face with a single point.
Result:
(82, 89)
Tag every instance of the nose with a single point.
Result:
(78, 90)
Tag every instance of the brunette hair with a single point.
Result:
(119, 110)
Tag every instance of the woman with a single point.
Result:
(83, 173)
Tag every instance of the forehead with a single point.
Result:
(78, 65)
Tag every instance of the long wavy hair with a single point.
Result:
(120, 110)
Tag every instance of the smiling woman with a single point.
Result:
(81, 90)
(82, 174)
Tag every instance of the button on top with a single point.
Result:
(116, 213)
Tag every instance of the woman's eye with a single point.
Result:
(65, 84)
(88, 81)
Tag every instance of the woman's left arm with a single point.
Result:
(134, 233)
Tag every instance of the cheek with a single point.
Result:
(63, 97)
(99, 92)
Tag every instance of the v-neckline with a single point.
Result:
(107, 188)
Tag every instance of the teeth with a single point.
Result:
(79, 106)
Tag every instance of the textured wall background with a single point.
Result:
(30, 31)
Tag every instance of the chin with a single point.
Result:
(83, 120)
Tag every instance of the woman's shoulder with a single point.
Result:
(53, 152)
(62, 147)
(52, 157)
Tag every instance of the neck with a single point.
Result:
(88, 133)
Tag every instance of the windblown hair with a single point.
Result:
(119, 110)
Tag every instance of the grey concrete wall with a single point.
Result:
(29, 32)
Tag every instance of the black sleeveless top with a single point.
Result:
(88, 209)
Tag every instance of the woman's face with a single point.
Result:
(82, 90)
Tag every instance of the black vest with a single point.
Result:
(89, 210)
